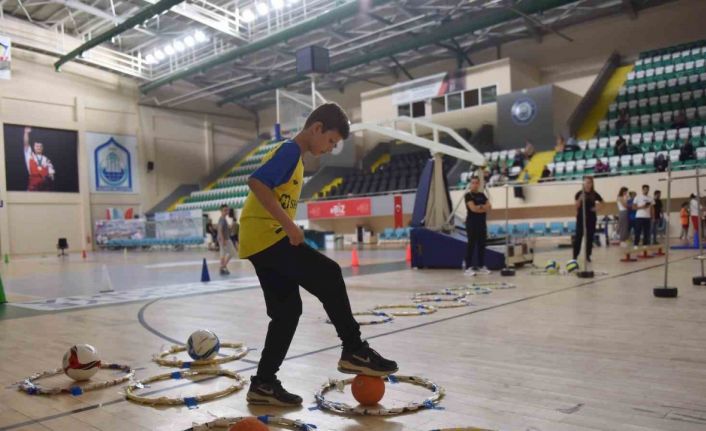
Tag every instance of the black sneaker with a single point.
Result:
(224, 271)
(366, 361)
(271, 394)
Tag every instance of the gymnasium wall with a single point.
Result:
(349, 226)
(185, 146)
(377, 105)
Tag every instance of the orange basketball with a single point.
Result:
(368, 390)
(249, 424)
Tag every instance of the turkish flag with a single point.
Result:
(398, 211)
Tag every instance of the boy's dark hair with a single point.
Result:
(645, 186)
(224, 206)
(332, 117)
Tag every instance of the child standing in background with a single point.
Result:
(684, 218)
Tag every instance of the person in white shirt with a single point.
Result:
(694, 212)
(643, 204)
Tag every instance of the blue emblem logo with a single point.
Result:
(523, 111)
(113, 167)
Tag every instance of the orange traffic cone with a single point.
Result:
(354, 258)
(408, 256)
(83, 254)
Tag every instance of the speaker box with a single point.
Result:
(312, 59)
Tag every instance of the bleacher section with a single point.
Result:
(400, 173)
(664, 84)
(232, 189)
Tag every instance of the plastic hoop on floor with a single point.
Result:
(272, 421)
(188, 401)
(420, 309)
(457, 303)
(27, 385)
(462, 429)
(384, 317)
(437, 296)
(496, 286)
(472, 290)
(240, 351)
(563, 272)
(346, 409)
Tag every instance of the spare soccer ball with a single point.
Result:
(81, 362)
(203, 344)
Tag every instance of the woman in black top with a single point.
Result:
(656, 215)
(477, 205)
(592, 201)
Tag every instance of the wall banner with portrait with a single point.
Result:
(38, 159)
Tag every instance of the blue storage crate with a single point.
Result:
(571, 227)
(539, 228)
(556, 228)
(387, 233)
(522, 229)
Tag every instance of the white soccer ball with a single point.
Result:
(203, 344)
(81, 362)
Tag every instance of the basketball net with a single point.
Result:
(293, 109)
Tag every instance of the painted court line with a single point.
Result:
(121, 297)
(187, 263)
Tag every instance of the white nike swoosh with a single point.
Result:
(364, 360)
(267, 391)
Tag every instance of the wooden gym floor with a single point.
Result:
(556, 353)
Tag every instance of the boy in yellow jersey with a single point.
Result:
(275, 246)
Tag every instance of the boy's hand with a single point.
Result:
(295, 234)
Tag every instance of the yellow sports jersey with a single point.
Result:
(282, 170)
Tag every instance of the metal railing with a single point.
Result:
(57, 43)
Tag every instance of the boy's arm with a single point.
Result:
(266, 197)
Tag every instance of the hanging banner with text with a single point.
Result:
(428, 87)
(5, 57)
(336, 209)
